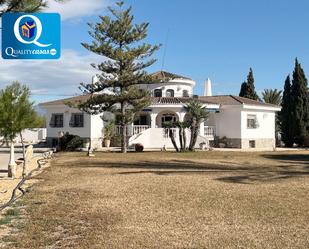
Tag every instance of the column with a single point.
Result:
(153, 117)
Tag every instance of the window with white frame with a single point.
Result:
(77, 120)
(252, 122)
(56, 120)
(170, 93)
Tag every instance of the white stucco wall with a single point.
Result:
(66, 111)
(228, 122)
(177, 85)
(265, 129)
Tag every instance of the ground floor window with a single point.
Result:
(56, 120)
(252, 144)
(77, 120)
(141, 120)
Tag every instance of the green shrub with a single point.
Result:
(70, 142)
(75, 143)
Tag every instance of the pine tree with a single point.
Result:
(120, 42)
(247, 88)
(286, 114)
(299, 104)
(27, 6)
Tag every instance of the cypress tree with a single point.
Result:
(120, 42)
(247, 88)
(286, 114)
(299, 104)
(243, 89)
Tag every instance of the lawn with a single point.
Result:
(168, 200)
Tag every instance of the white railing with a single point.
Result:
(137, 129)
(209, 131)
(132, 130)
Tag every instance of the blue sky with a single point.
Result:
(220, 39)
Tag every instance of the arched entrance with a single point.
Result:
(166, 116)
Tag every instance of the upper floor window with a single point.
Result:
(170, 93)
(185, 93)
(252, 122)
(56, 120)
(77, 120)
(158, 93)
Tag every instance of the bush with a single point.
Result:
(139, 147)
(74, 144)
(116, 141)
(70, 142)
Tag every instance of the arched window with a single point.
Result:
(158, 93)
(170, 93)
(185, 93)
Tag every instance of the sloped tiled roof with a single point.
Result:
(75, 99)
(233, 100)
(166, 76)
(217, 100)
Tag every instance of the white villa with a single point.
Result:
(234, 121)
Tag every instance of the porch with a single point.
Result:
(153, 119)
(132, 130)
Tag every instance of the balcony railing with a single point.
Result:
(132, 130)
(209, 131)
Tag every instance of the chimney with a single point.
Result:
(207, 88)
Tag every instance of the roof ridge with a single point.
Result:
(234, 97)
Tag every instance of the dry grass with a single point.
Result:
(169, 200)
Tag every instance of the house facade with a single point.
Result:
(233, 121)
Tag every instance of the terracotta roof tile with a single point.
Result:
(234, 100)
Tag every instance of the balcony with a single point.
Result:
(132, 130)
(209, 131)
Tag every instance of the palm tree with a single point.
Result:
(198, 114)
(272, 96)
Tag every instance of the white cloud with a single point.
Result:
(52, 77)
(74, 9)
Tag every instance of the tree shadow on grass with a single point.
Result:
(292, 158)
(232, 173)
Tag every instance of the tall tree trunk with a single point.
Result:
(89, 152)
(124, 130)
(24, 156)
(192, 129)
(194, 138)
(171, 135)
(180, 139)
(184, 137)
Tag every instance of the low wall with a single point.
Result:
(260, 143)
